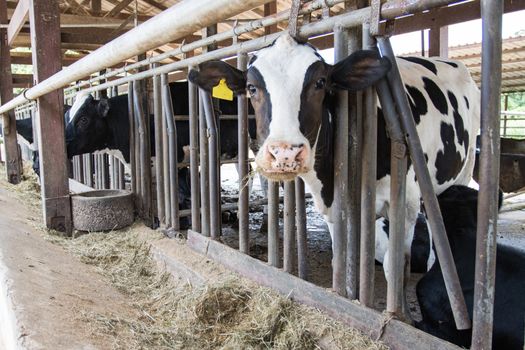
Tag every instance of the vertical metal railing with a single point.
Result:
(289, 227)
(204, 167)
(172, 153)
(194, 155)
(439, 236)
(213, 164)
(487, 230)
(368, 190)
(340, 204)
(242, 155)
(273, 224)
(160, 162)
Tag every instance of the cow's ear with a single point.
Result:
(359, 70)
(210, 74)
(103, 107)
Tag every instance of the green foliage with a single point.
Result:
(516, 101)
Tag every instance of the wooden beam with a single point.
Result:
(270, 9)
(119, 7)
(438, 42)
(449, 15)
(96, 7)
(44, 18)
(155, 4)
(13, 159)
(78, 9)
(18, 19)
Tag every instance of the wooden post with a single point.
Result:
(438, 42)
(44, 19)
(13, 160)
(270, 9)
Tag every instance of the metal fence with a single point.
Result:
(512, 124)
(353, 254)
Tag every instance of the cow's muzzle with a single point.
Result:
(283, 161)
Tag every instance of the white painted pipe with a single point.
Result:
(178, 21)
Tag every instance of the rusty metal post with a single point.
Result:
(439, 235)
(273, 223)
(13, 162)
(214, 165)
(300, 223)
(159, 160)
(355, 124)
(487, 230)
(172, 144)
(204, 166)
(242, 135)
(340, 204)
(289, 226)
(397, 208)
(144, 153)
(368, 190)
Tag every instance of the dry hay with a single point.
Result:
(229, 313)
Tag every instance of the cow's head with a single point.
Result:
(86, 128)
(287, 83)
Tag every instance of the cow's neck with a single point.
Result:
(321, 179)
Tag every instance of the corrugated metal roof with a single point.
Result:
(513, 62)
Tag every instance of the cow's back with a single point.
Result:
(445, 102)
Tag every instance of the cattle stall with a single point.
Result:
(354, 236)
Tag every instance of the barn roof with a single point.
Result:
(513, 62)
(89, 24)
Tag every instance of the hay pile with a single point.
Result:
(229, 313)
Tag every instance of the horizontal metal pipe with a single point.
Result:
(98, 60)
(178, 21)
(234, 32)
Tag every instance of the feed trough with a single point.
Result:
(102, 210)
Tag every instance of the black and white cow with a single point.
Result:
(97, 125)
(292, 92)
(459, 208)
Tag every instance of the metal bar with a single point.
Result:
(131, 118)
(300, 223)
(88, 166)
(166, 172)
(340, 204)
(178, 21)
(350, 19)
(289, 227)
(172, 144)
(354, 178)
(204, 166)
(368, 191)
(238, 30)
(273, 223)
(105, 170)
(487, 230)
(214, 172)
(194, 155)
(397, 209)
(159, 161)
(439, 235)
(242, 214)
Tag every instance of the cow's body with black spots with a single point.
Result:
(292, 91)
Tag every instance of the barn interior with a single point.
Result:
(237, 221)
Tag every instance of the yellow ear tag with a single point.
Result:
(222, 91)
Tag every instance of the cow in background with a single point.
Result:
(459, 208)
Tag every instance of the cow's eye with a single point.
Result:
(251, 89)
(320, 84)
(83, 121)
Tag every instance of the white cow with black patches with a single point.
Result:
(292, 92)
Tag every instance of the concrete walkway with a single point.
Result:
(45, 292)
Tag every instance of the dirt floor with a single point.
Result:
(104, 291)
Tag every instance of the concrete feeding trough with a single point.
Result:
(102, 210)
